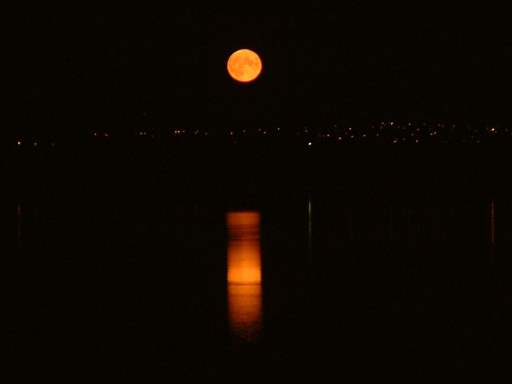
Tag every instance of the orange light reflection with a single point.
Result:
(244, 259)
(245, 310)
(244, 274)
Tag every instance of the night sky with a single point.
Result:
(166, 67)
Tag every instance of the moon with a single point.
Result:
(244, 66)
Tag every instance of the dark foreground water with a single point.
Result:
(124, 271)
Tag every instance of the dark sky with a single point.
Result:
(165, 67)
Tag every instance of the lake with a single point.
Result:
(148, 267)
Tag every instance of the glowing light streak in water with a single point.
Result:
(244, 275)
(19, 215)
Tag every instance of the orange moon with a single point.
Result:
(244, 65)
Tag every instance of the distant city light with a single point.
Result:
(384, 132)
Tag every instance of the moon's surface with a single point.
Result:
(244, 65)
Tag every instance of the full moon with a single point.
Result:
(244, 66)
